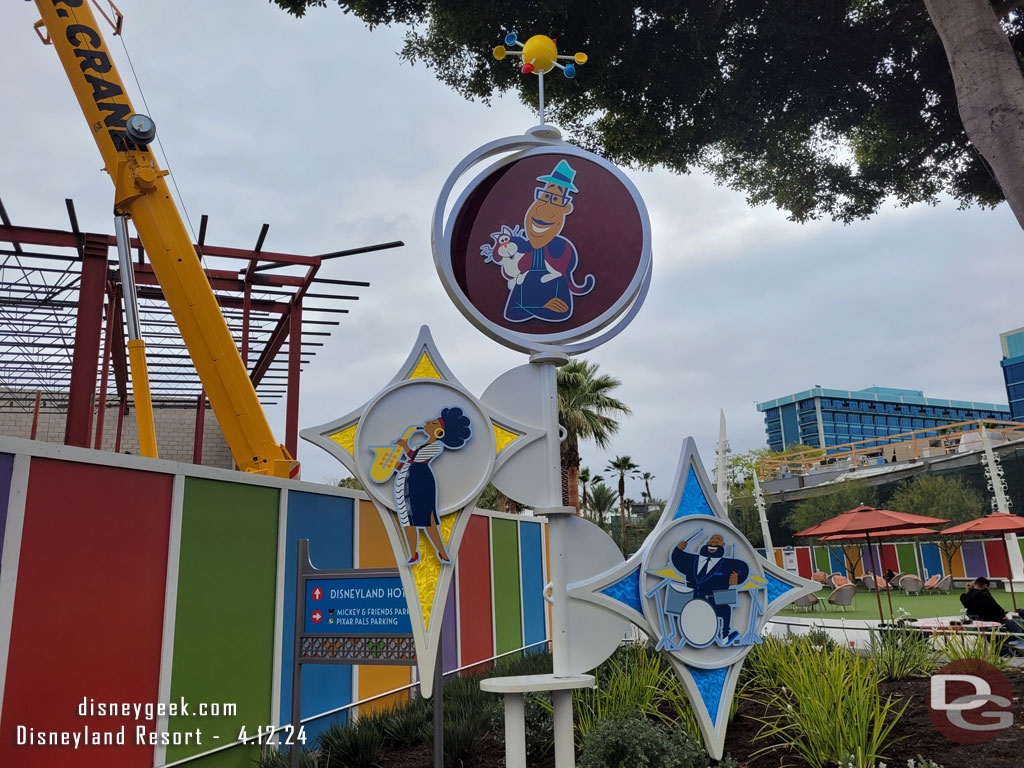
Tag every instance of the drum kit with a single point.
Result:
(690, 621)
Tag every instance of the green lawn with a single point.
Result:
(927, 606)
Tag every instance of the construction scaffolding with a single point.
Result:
(62, 329)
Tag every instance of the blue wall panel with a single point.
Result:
(327, 522)
(932, 560)
(837, 560)
(6, 468)
(531, 550)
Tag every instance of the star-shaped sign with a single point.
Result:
(701, 590)
(424, 449)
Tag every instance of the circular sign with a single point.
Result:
(424, 444)
(544, 248)
(703, 590)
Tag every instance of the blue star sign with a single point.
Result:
(700, 589)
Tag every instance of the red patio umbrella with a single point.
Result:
(881, 535)
(863, 521)
(997, 522)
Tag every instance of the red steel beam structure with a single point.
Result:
(87, 340)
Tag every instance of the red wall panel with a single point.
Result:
(88, 610)
(995, 553)
(890, 559)
(475, 591)
(803, 562)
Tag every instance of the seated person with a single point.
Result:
(979, 602)
(889, 576)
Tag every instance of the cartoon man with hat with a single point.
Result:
(713, 577)
(547, 287)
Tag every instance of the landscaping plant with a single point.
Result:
(823, 704)
(987, 646)
(360, 745)
(899, 653)
(633, 741)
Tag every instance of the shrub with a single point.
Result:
(823, 704)
(464, 729)
(633, 741)
(403, 726)
(821, 638)
(987, 646)
(900, 653)
(360, 745)
(273, 757)
(633, 680)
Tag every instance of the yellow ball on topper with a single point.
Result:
(539, 54)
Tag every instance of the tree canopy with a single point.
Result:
(823, 108)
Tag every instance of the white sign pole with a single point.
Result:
(762, 514)
(997, 485)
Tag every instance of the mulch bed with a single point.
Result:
(922, 738)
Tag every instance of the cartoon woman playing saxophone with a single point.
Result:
(415, 484)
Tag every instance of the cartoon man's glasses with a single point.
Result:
(555, 199)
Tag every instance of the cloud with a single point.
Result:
(316, 127)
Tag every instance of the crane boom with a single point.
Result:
(142, 194)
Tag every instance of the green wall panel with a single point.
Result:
(908, 558)
(224, 625)
(821, 560)
(508, 619)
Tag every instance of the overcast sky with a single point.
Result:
(315, 127)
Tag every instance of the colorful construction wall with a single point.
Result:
(976, 557)
(133, 581)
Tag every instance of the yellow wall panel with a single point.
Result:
(375, 552)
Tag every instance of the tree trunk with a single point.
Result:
(622, 515)
(989, 89)
(572, 473)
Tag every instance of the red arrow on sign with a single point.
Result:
(318, 593)
(316, 616)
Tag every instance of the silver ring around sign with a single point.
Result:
(572, 341)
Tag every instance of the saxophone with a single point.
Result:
(388, 459)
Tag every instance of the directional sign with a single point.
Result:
(358, 606)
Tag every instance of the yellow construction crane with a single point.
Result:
(142, 195)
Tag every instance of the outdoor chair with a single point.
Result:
(839, 580)
(932, 581)
(843, 596)
(911, 584)
(942, 585)
(818, 576)
(807, 601)
(896, 582)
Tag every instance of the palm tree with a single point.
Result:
(585, 410)
(601, 501)
(647, 477)
(584, 478)
(622, 466)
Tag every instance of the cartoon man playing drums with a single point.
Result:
(713, 578)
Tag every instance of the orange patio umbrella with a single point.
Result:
(882, 535)
(863, 521)
(997, 522)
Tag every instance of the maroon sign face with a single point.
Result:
(547, 244)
